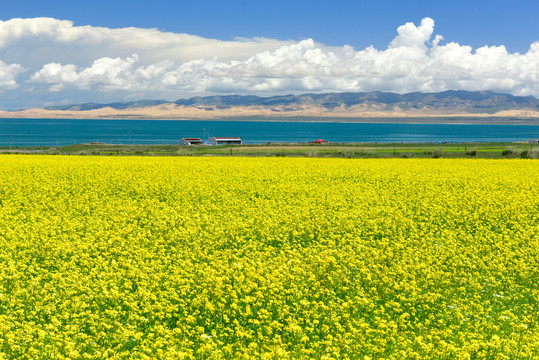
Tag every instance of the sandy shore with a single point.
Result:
(259, 113)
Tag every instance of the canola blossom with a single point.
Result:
(268, 258)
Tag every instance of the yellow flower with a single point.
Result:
(247, 258)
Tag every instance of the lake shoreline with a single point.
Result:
(434, 120)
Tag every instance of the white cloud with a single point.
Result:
(105, 73)
(8, 75)
(412, 36)
(34, 41)
(408, 64)
(147, 61)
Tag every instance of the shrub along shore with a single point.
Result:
(336, 150)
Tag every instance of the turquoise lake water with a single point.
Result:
(52, 132)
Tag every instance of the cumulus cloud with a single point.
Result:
(8, 75)
(32, 42)
(415, 60)
(409, 63)
(412, 36)
(106, 73)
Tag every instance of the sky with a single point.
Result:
(63, 52)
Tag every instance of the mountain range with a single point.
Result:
(452, 100)
(453, 103)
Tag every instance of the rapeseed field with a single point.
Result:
(268, 258)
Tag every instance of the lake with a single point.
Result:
(53, 132)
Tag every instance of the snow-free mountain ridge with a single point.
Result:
(452, 101)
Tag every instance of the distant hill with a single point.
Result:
(452, 101)
(442, 107)
(116, 105)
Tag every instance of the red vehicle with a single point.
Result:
(319, 142)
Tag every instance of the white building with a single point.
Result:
(225, 141)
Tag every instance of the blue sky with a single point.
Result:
(262, 47)
(356, 23)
